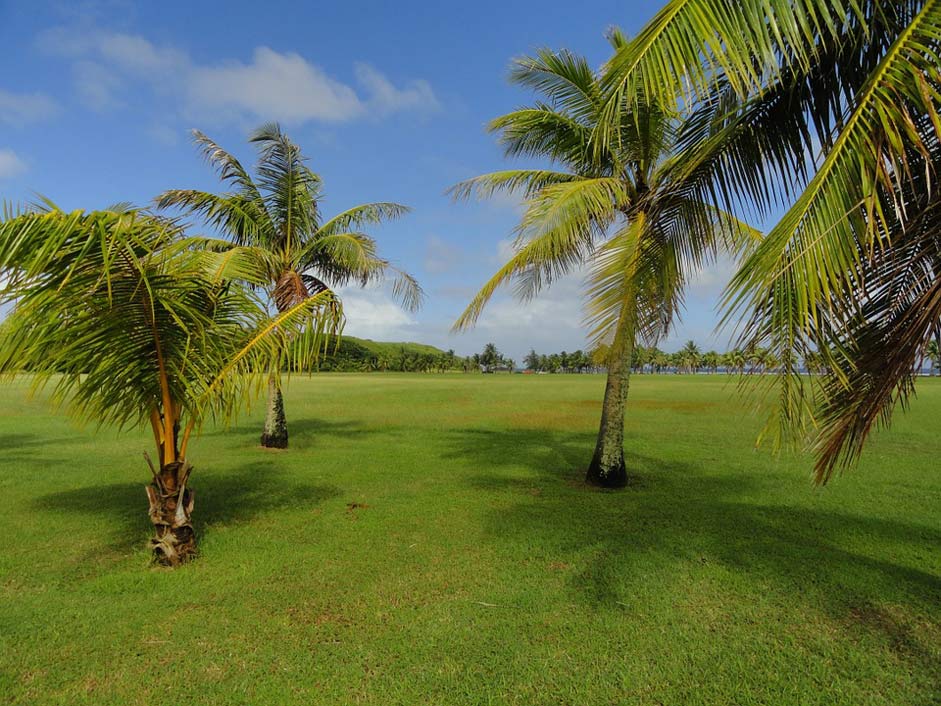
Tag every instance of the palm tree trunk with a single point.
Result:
(275, 434)
(171, 509)
(607, 465)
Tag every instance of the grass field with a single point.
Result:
(428, 540)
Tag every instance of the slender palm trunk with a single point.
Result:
(607, 465)
(171, 509)
(275, 434)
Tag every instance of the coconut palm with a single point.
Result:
(278, 216)
(832, 110)
(135, 325)
(933, 354)
(690, 356)
(628, 212)
(711, 360)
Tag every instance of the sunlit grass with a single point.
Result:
(427, 539)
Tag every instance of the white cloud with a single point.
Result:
(20, 109)
(386, 98)
(271, 86)
(10, 164)
(96, 85)
(714, 276)
(371, 313)
(441, 256)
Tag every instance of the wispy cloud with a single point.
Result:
(271, 86)
(387, 98)
(441, 256)
(10, 164)
(19, 109)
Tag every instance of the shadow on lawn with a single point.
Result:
(236, 496)
(303, 432)
(22, 446)
(680, 518)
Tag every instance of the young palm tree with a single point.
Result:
(836, 107)
(277, 218)
(135, 325)
(633, 212)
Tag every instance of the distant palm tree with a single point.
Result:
(736, 360)
(277, 217)
(933, 353)
(690, 356)
(639, 212)
(490, 357)
(711, 360)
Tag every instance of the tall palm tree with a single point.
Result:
(630, 212)
(135, 325)
(833, 110)
(278, 217)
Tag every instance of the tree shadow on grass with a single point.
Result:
(303, 433)
(237, 496)
(678, 517)
(23, 446)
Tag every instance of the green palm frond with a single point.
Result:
(528, 182)
(365, 214)
(126, 318)
(812, 266)
(276, 221)
(543, 131)
(565, 78)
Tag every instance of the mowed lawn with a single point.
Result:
(427, 539)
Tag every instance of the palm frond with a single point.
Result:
(365, 214)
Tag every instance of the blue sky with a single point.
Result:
(389, 101)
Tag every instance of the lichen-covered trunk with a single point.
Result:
(607, 465)
(275, 434)
(171, 509)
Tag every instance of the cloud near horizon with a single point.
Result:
(271, 86)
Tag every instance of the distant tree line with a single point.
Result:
(350, 356)
(688, 360)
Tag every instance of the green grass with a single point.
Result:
(474, 567)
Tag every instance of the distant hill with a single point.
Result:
(379, 347)
(353, 354)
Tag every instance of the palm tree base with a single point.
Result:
(274, 441)
(274, 435)
(610, 476)
(171, 509)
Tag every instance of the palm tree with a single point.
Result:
(628, 211)
(690, 356)
(490, 357)
(711, 360)
(278, 216)
(933, 354)
(135, 325)
(837, 118)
